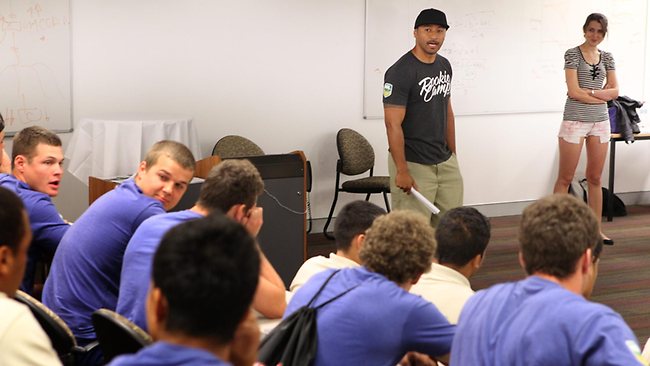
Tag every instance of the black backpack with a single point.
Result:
(619, 206)
(295, 339)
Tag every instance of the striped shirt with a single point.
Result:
(589, 77)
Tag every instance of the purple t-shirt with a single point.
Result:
(167, 354)
(85, 274)
(138, 258)
(538, 322)
(47, 225)
(376, 323)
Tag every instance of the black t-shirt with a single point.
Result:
(425, 90)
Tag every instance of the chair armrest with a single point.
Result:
(85, 349)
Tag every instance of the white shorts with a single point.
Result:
(574, 131)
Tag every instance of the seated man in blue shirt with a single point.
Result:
(232, 187)
(37, 168)
(545, 318)
(379, 321)
(85, 274)
(199, 312)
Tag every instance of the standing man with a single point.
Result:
(420, 122)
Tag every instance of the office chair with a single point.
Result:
(117, 335)
(233, 146)
(63, 341)
(356, 156)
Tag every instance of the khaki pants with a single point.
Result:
(441, 184)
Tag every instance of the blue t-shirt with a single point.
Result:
(47, 225)
(138, 258)
(375, 324)
(167, 354)
(85, 274)
(538, 322)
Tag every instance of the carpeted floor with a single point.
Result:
(624, 278)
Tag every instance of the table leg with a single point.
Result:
(612, 167)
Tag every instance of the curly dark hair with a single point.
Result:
(399, 245)
(174, 150)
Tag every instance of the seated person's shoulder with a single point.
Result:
(318, 264)
(22, 340)
(11, 309)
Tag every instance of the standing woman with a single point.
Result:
(587, 69)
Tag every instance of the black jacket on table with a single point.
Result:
(626, 116)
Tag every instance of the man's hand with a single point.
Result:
(243, 350)
(404, 181)
(417, 359)
(253, 220)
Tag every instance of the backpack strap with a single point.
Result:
(336, 297)
(321, 289)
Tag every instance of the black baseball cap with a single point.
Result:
(431, 16)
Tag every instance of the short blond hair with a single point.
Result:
(174, 150)
(399, 245)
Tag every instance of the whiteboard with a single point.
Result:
(35, 64)
(507, 55)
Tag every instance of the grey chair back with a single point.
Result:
(356, 154)
(233, 146)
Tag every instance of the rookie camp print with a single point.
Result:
(432, 86)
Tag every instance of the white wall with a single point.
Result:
(288, 74)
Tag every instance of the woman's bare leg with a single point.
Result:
(596, 155)
(569, 157)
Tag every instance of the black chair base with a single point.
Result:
(336, 195)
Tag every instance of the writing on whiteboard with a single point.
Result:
(35, 64)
